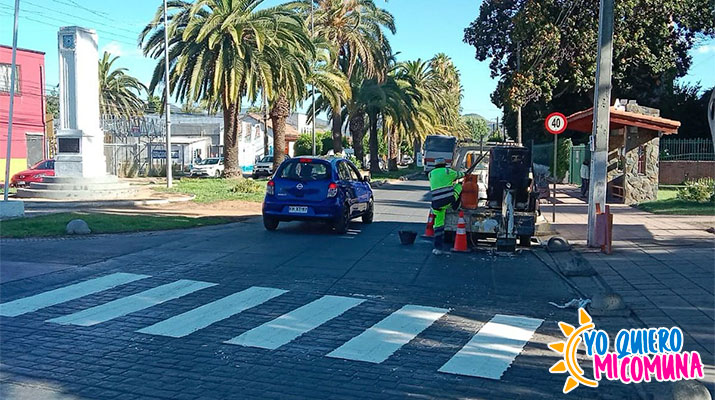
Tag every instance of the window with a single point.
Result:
(344, 172)
(257, 130)
(641, 159)
(354, 174)
(304, 171)
(5, 78)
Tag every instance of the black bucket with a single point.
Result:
(407, 237)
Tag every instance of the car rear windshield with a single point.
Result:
(211, 161)
(442, 144)
(304, 171)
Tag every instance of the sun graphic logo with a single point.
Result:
(569, 348)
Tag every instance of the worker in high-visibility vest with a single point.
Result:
(445, 194)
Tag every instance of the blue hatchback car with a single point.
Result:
(318, 189)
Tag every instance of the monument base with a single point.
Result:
(107, 187)
(12, 209)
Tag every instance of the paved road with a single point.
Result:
(235, 311)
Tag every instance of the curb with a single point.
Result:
(107, 203)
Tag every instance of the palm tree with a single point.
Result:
(218, 51)
(118, 91)
(389, 101)
(355, 27)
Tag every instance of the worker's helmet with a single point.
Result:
(440, 162)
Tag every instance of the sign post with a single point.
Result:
(555, 124)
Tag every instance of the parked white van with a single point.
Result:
(438, 146)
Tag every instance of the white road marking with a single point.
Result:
(287, 327)
(492, 350)
(378, 343)
(133, 303)
(66, 293)
(201, 317)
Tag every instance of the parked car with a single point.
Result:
(34, 174)
(208, 167)
(406, 159)
(318, 189)
(264, 167)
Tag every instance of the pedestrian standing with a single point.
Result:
(585, 176)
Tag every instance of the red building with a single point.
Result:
(28, 123)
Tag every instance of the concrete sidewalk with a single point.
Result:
(662, 265)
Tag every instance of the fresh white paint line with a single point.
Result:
(287, 327)
(378, 343)
(66, 293)
(201, 317)
(492, 350)
(133, 303)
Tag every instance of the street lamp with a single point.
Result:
(167, 112)
(13, 77)
(312, 35)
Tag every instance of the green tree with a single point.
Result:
(53, 102)
(304, 145)
(219, 52)
(544, 52)
(118, 91)
(477, 128)
(688, 104)
(154, 105)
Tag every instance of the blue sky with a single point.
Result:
(424, 28)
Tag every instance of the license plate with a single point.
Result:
(297, 210)
(20, 183)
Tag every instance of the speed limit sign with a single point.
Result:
(555, 123)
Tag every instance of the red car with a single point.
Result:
(34, 174)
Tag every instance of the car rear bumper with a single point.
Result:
(326, 210)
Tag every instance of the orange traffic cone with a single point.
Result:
(429, 230)
(460, 239)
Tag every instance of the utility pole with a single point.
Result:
(518, 109)
(601, 117)
(13, 77)
(167, 111)
(312, 35)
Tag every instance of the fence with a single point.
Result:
(686, 150)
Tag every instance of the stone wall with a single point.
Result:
(639, 187)
(677, 172)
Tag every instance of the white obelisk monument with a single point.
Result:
(80, 140)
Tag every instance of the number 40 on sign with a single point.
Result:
(555, 123)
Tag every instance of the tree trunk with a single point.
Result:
(374, 146)
(230, 141)
(337, 131)
(418, 149)
(279, 113)
(392, 151)
(357, 131)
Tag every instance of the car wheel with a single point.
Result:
(217, 174)
(342, 222)
(270, 223)
(369, 214)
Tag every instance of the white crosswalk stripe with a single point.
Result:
(133, 303)
(288, 327)
(66, 293)
(203, 316)
(378, 343)
(488, 354)
(492, 350)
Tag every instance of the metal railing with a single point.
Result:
(698, 149)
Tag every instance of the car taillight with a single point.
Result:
(332, 189)
(270, 187)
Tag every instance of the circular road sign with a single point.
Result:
(555, 123)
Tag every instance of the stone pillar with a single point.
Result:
(80, 140)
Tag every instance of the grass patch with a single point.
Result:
(54, 224)
(394, 174)
(209, 190)
(673, 206)
(667, 193)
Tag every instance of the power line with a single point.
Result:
(109, 34)
(41, 7)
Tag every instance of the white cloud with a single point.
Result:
(704, 49)
(116, 49)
